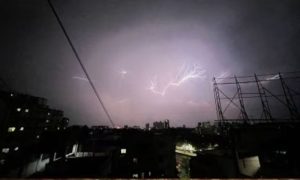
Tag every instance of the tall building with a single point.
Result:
(161, 124)
(147, 127)
(23, 120)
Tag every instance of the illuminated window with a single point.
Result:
(19, 109)
(21, 128)
(11, 94)
(11, 129)
(45, 128)
(281, 152)
(135, 175)
(16, 148)
(5, 150)
(58, 128)
(47, 121)
(26, 110)
(38, 137)
(123, 151)
(49, 114)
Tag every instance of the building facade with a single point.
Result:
(24, 119)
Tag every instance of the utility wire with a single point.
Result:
(81, 64)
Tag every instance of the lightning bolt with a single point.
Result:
(184, 74)
(274, 77)
(81, 78)
(221, 77)
(123, 73)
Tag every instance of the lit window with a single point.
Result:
(11, 129)
(281, 152)
(11, 94)
(48, 114)
(16, 148)
(5, 150)
(47, 121)
(26, 110)
(21, 128)
(123, 151)
(45, 128)
(58, 128)
(135, 175)
(38, 137)
(2, 161)
(19, 109)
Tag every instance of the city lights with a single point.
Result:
(123, 151)
(11, 129)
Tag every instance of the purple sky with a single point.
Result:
(127, 44)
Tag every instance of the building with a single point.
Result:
(206, 128)
(161, 124)
(24, 119)
(147, 127)
(115, 153)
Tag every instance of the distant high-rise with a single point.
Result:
(147, 127)
(167, 123)
(161, 124)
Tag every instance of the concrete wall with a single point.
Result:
(36, 166)
(249, 166)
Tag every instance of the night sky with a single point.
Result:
(134, 48)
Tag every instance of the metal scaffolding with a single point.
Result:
(264, 92)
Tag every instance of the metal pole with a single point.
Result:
(220, 115)
(289, 99)
(266, 111)
(240, 96)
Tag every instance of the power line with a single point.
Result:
(80, 62)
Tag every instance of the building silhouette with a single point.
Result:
(24, 122)
(161, 124)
